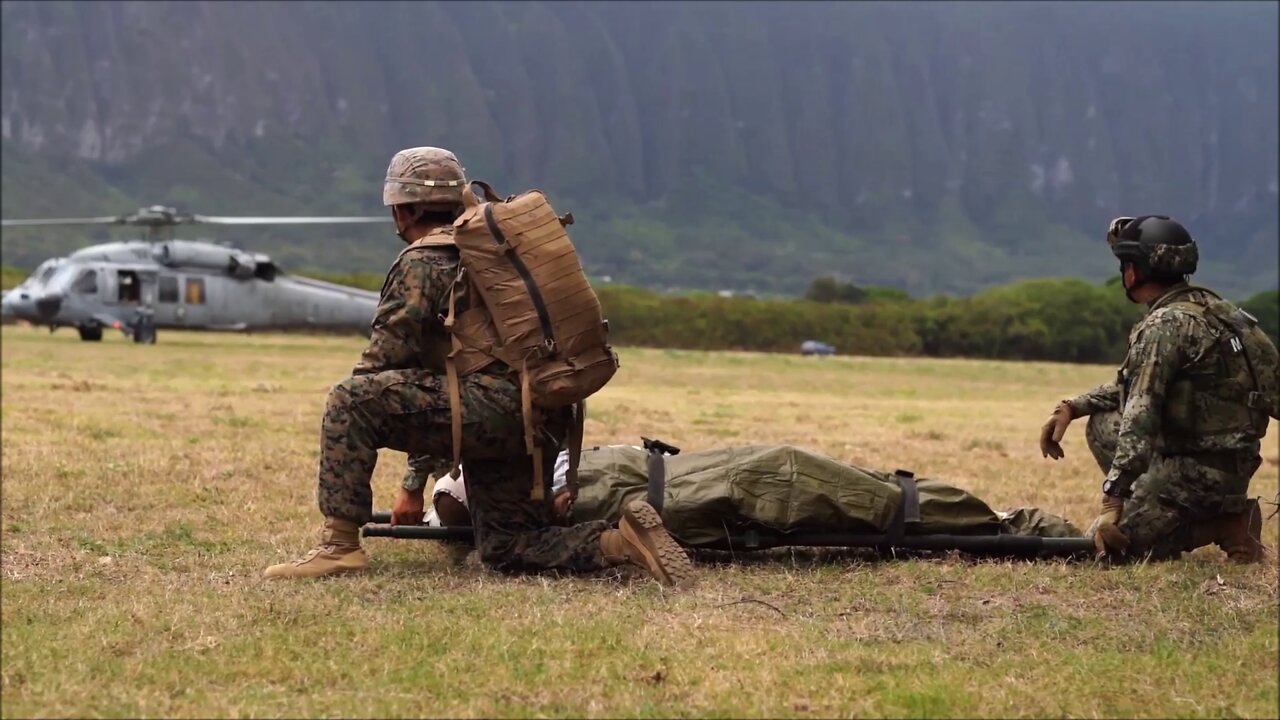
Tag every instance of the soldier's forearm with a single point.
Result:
(1132, 459)
(1103, 398)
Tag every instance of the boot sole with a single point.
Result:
(338, 570)
(331, 573)
(661, 552)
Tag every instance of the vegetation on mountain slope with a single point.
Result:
(929, 147)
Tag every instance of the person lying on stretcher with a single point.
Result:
(774, 487)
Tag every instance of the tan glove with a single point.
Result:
(563, 505)
(408, 507)
(1054, 428)
(1106, 535)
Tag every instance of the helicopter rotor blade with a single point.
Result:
(106, 220)
(242, 220)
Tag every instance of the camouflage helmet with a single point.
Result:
(1156, 243)
(424, 175)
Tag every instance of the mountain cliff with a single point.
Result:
(752, 146)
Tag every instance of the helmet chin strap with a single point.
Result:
(413, 221)
(400, 230)
(395, 218)
(1138, 282)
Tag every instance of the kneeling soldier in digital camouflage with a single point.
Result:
(1178, 433)
(397, 398)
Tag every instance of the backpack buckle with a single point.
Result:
(1253, 400)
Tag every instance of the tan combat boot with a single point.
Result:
(1240, 534)
(339, 551)
(642, 540)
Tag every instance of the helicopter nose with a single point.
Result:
(15, 304)
(49, 305)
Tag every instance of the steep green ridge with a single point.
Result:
(932, 147)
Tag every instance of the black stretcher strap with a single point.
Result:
(657, 470)
(908, 509)
(657, 466)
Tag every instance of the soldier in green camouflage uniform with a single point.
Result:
(397, 398)
(1178, 434)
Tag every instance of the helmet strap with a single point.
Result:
(1139, 279)
(419, 213)
(413, 220)
(395, 217)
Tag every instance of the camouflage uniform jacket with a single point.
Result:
(408, 329)
(1167, 342)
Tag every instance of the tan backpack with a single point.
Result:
(539, 313)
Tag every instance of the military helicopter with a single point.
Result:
(138, 286)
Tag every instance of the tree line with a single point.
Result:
(1066, 320)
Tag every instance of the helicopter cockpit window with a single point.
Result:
(195, 291)
(50, 268)
(130, 288)
(168, 289)
(87, 283)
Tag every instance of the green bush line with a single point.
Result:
(1068, 320)
(1065, 320)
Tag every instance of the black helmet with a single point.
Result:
(1160, 246)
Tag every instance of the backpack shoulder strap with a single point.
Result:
(575, 448)
(1204, 290)
(531, 445)
(438, 237)
(451, 375)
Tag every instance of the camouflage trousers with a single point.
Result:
(1176, 492)
(408, 410)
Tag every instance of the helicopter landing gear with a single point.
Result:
(89, 333)
(144, 330)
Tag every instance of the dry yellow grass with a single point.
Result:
(145, 489)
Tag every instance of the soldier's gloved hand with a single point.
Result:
(408, 508)
(563, 505)
(1054, 428)
(1106, 535)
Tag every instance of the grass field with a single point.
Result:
(146, 488)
